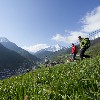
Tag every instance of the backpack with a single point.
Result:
(87, 43)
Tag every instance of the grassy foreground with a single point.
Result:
(72, 81)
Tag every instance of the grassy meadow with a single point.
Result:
(70, 81)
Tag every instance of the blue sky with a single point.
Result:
(36, 24)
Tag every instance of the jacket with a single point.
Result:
(74, 49)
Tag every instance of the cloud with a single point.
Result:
(59, 38)
(35, 48)
(90, 22)
(73, 36)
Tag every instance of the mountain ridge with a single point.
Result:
(53, 48)
(12, 46)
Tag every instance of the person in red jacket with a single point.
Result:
(74, 51)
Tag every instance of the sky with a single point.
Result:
(37, 24)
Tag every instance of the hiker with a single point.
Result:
(46, 61)
(74, 51)
(84, 45)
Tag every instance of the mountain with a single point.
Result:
(9, 57)
(54, 48)
(10, 60)
(50, 51)
(12, 46)
(12, 63)
(42, 54)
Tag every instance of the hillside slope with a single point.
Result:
(94, 50)
(12, 63)
(12, 46)
(9, 57)
(72, 81)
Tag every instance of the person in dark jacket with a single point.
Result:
(83, 46)
(46, 61)
(74, 51)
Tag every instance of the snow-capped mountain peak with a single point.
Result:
(3, 39)
(58, 47)
(54, 48)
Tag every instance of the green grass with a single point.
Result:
(94, 50)
(73, 81)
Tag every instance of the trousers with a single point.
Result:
(82, 54)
